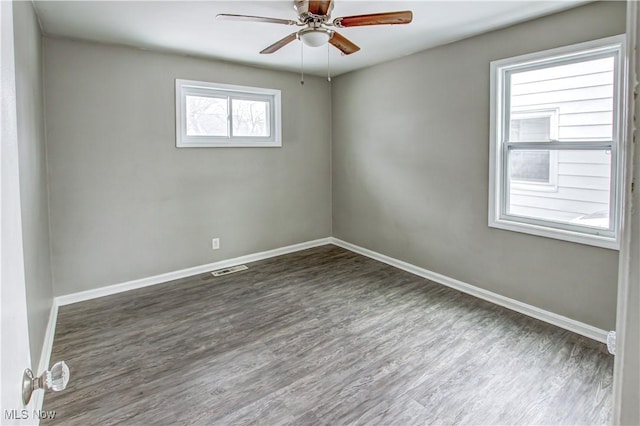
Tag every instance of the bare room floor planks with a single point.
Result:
(321, 336)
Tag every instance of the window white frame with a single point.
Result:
(229, 92)
(499, 145)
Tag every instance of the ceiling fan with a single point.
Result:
(315, 16)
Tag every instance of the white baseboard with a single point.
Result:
(45, 354)
(183, 273)
(515, 305)
(529, 310)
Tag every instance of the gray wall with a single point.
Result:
(127, 204)
(411, 170)
(33, 173)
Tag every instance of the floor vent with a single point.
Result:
(227, 271)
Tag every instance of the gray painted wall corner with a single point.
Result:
(413, 182)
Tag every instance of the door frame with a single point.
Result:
(628, 266)
(14, 333)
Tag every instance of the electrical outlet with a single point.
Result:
(215, 243)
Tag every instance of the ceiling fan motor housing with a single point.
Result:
(307, 15)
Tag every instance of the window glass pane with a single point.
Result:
(250, 118)
(206, 116)
(531, 166)
(534, 129)
(582, 94)
(580, 195)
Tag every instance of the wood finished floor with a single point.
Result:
(322, 336)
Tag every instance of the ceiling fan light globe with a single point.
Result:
(315, 38)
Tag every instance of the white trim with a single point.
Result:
(45, 355)
(561, 53)
(81, 296)
(558, 234)
(523, 308)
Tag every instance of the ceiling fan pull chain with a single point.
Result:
(328, 63)
(301, 63)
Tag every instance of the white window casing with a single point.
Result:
(227, 132)
(583, 134)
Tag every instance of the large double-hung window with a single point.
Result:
(556, 142)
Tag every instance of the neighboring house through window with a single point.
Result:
(556, 151)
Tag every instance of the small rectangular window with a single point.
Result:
(220, 115)
(556, 142)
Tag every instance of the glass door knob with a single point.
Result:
(55, 379)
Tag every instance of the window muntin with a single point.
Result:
(574, 195)
(218, 115)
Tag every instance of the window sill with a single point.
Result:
(236, 143)
(557, 234)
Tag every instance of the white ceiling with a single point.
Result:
(190, 27)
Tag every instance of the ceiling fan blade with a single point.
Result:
(280, 43)
(388, 18)
(319, 7)
(249, 18)
(343, 44)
